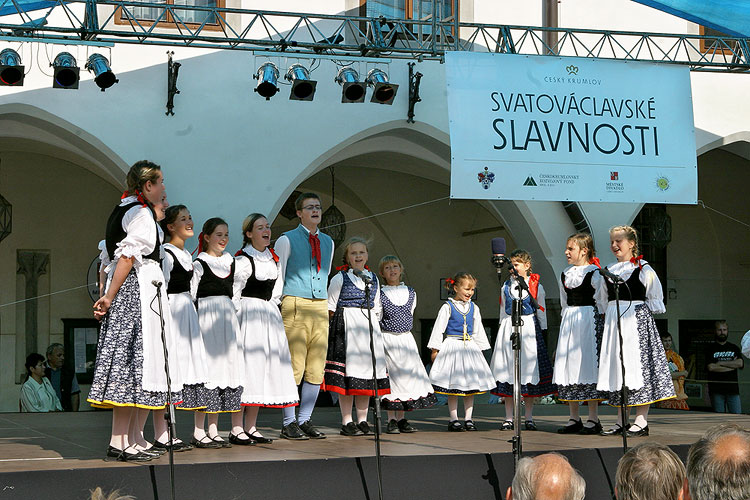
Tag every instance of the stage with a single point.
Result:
(60, 456)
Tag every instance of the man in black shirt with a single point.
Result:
(63, 378)
(724, 359)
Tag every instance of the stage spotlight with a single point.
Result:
(11, 70)
(303, 89)
(65, 71)
(383, 92)
(352, 89)
(267, 76)
(103, 76)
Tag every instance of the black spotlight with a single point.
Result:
(303, 89)
(352, 89)
(103, 76)
(383, 92)
(11, 70)
(267, 76)
(66, 71)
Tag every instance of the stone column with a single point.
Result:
(32, 264)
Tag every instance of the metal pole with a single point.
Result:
(378, 468)
(169, 414)
(456, 34)
(434, 27)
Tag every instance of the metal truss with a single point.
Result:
(113, 21)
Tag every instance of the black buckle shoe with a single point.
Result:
(612, 431)
(573, 428)
(392, 427)
(506, 425)
(351, 429)
(405, 426)
(455, 426)
(293, 432)
(311, 431)
(175, 447)
(258, 439)
(221, 442)
(529, 425)
(642, 431)
(203, 444)
(121, 456)
(596, 429)
(364, 427)
(239, 440)
(469, 425)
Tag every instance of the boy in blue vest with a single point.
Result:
(305, 256)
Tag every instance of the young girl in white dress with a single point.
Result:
(536, 368)
(457, 341)
(647, 375)
(212, 286)
(348, 369)
(189, 352)
(129, 375)
(577, 358)
(268, 379)
(410, 385)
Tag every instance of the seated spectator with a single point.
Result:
(649, 471)
(37, 394)
(546, 477)
(718, 465)
(745, 344)
(677, 370)
(62, 378)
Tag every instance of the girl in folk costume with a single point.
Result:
(189, 352)
(410, 385)
(458, 365)
(678, 372)
(536, 369)
(129, 376)
(647, 375)
(577, 358)
(268, 379)
(212, 286)
(348, 369)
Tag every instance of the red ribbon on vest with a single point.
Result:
(315, 246)
(637, 260)
(137, 194)
(534, 287)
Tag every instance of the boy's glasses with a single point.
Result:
(312, 207)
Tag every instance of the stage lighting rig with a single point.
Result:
(268, 77)
(103, 75)
(383, 92)
(66, 71)
(352, 89)
(303, 89)
(11, 69)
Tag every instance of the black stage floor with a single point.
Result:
(60, 456)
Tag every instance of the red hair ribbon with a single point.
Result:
(273, 254)
(238, 253)
(137, 194)
(534, 287)
(595, 261)
(450, 281)
(344, 268)
(637, 260)
(200, 244)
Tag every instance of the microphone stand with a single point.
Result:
(378, 468)
(515, 339)
(169, 414)
(616, 281)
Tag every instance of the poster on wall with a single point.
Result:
(570, 129)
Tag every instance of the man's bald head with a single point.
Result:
(546, 477)
(718, 464)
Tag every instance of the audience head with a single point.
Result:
(718, 465)
(546, 477)
(98, 494)
(649, 471)
(34, 362)
(721, 331)
(666, 340)
(56, 356)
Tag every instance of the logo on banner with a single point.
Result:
(529, 181)
(614, 176)
(486, 178)
(572, 70)
(662, 183)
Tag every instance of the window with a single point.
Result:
(714, 45)
(418, 10)
(192, 18)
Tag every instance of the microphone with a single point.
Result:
(498, 253)
(362, 275)
(609, 275)
(156, 283)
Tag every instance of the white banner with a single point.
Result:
(568, 128)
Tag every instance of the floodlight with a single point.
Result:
(65, 71)
(383, 92)
(267, 76)
(352, 89)
(303, 89)
(103, 76)
(11, 70)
